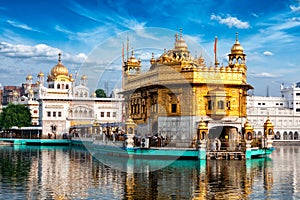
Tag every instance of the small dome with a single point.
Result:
(180, 43)
(268, 123)
(247, 125)
(94, 94)
(31, 91)
(41, 74)
(152, 61)
(237, 48)
(29, 77)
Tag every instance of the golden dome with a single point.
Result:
(41, 74)
(268, 123)
(237, 48)
(59, 69)
(29, 77)
(152, 61)
(132, 59)
(247, 125)
(31, 91)
(180, 43)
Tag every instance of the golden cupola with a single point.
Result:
(237, 47)
(29, 78)
(40, 74)
(59, 69)
(180, 43)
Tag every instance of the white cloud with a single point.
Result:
(295, 8)
(255, 15)
(230, 21)
(21, 25)
(40, 52)
(268, 53)
(263, 74)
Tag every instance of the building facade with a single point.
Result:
(283, 111)
(178, 91)
(58, 104)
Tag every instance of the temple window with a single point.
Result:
(221, 105)
(174, 108)
(228, 105)
(58, 86)
(210, 105)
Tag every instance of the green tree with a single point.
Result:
(15, 115)
(100, 93)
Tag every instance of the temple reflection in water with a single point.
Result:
(68, 173)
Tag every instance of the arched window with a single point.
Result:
(277, 136)
(290, 135)
(221, 105)
(63, 86)
(67, 86)
(58, 86)
(259, 135)
(254, 135)
(296, 136)
(203, 135)
(285, 135)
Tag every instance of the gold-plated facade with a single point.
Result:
(178, 86)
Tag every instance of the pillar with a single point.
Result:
(202, 139)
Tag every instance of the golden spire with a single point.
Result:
(59, 57)
(237, 37)
(152, 59)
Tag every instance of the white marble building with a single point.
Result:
(58, 103)
(284, 112)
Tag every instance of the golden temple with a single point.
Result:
(178, 91)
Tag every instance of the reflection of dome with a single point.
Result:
(59, 69)
(237, 48)
(15, 93)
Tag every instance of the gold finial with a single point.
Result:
(59, 57)
(152, 54)
(132, 52)
(180, 33)
(237, 36)
(165, 50)
(176, 37)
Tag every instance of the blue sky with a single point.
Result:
(33, 32)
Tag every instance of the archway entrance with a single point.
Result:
(228, 135)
